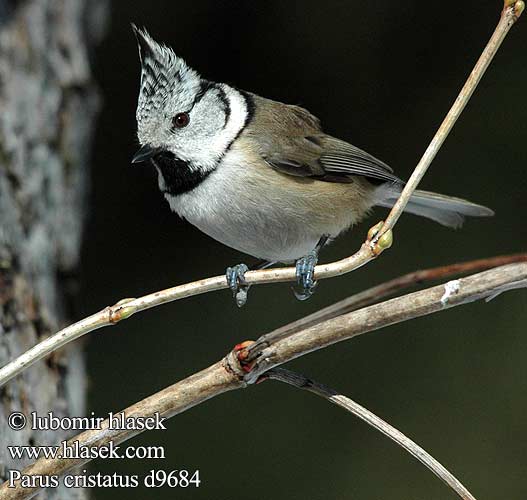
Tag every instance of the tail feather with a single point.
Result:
(447, 210)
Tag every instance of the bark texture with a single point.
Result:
(48, 103)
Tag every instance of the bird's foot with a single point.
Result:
(305, 270)
(236, 281)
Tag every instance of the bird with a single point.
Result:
(258, 175)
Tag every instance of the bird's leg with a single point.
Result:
(305, 269)
(236, 279)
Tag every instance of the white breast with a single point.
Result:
(269, 215)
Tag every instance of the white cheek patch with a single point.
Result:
(215, 146)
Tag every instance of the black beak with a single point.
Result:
(144, 154)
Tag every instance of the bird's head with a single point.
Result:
(181, 115)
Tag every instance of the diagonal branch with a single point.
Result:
(229, 373)
(438, 298)
(512, 10)
(302, 382)
(386, 289)
(379, 237)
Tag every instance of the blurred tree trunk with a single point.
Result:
(48, 103)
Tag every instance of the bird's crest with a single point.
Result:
(165, 77)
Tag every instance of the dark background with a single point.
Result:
(381, 75)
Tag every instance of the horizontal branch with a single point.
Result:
(229, 374)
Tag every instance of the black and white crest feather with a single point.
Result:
(165, 77)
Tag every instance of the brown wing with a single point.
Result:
(290, 140)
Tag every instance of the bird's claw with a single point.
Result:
(305, 270)
(236, 281)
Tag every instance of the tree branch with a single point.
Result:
(379, 237)
(127, 307)
(512, 10)
(172, 400)
(439, 298)
(302, 382)
(229, 373)
(386, 289)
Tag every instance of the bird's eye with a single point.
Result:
(180, 120)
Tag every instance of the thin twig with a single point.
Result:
(379, 292)
(302, 382)
(511, 12)
(379, 237)
(229, 373)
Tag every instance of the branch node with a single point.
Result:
(385, 242)
(514, 9)
(379, 240)
(121, 311)
(242, 353)
(519, 7)
(373, 231)
(233, 364)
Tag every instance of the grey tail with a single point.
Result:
(446, 210)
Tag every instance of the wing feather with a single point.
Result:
(290, 140)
